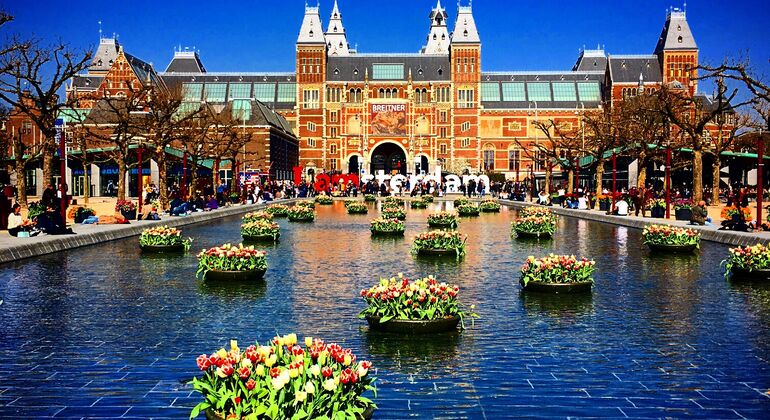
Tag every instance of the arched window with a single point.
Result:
(488, 155)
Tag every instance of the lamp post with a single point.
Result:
(139, 175)
(183, 187)
(668, 179)
(760, 168)
(614, 177)
(63, 170)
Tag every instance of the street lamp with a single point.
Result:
(668, 172)
(760, 169)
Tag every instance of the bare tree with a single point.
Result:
(742, 72)
(728, 127)
(605, 129)
(561, 148)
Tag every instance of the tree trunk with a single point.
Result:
(570, 181)
(21, 176)
(193, 171)
(641, 177)
(122, 177)
(715, 172)
(86, 179)
(599, 176)
(548, 171)
(161, 158)
(697, 175)
(48, 169)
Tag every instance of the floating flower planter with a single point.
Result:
(440, 243)
(283, 379)
(393, 227)
(489, 206)
(305, 203)
(534, 226)
(427, 198)
(393, 213)
(370, 198)
(395, 200)
(468, 210)
(418, 307)
(418, 204)
(229, 262)
(278, 210)
(750, 263)
(461, 202)
(301, 214)
(357, 208)
(557, 274)
(260, 230)
(324, 199)
(257, 215)
(163, 239)
(664, 238)
(443, 220)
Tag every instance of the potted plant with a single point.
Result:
(670, 238)
(260, 230)
(427, 198)
(535, 226)
(536, 211)
(162, 239)
(468, 209)
(370, 197)
(305, 203)
(421, 306)
(748, 263)
(393, 213)
(729, 211)
(657, 208)
(257, 215)
(461, 201)
(444, 220)
(284, 380)
(228, 262)
(557, 274)
(278, 210)
(357, 208)
(34, 209)
(683, 209)
(489, 206)
(83, 213)
(301, 214)
(384, 226)
(126, 208)
(605, 201)
(234, 197)
(418, 204)
(324, 200)
(395, 200)
(440, 242)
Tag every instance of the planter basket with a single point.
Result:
(604, 205)
(129, 215)
(557, 288)
(387, 233)
(216, 275)
(434, 251)
(658, 212)
(683, 214)
(491, 210)
(526, 234)
(358, 211)
(370, 199)
(162, 249)
(419, 204)
(741, 274)
(468, 213)
(449, 225)
(673, 248)
(301, 218)
(367, 414)
(261, 238)
(406, 326)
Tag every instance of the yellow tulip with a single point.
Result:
(348, 360)
(293, 373)
(308, 341)
(271, 360)
(310, 388)
(222, 354)
(290, 340)
(315, 370)
(260, 370)
(234, 346)
(300, 397)
(330, 385)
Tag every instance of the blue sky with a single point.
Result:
(516, 35)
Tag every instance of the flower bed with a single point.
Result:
(439, 243)
(260, 230)
(257, 215)
(285, 380)
(370, 197)
(534, 225)
(729, 212)
(398, 299)
(387, 226)
(489, 206)
(324, 199)
(393, 213)
(750, 262)
(278, 210)
(418, 204)
(670, 238)
(301, 214)
(468, 210)
(442, 220)
(395, 200)
(228, 258)
(357, 208)
(461, 201)
(163, 238)
(564, 273)
(536, 211)
(427, 198)
(305, 203)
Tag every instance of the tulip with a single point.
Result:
(271, 360)
(250, 384)
(315, 370)
(310, 388)
(300, 397)
(260, 370)
(330, 385)
(309, 340)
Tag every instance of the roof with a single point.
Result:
(438, 37)
(336, 40)
(185, 62)
(710, 103)
(627, 68)
(423, 67)
(105, 55)
(570, 77)
(465, 27)
(87, 81)
(676, 34)
(143, 70)
(275, 79)
(311, 31)
(591, 60)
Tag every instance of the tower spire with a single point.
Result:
(438, 37)
(336, 39)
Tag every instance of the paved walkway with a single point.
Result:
(19, 248)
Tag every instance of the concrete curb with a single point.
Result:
(708, 233)
(97, 234)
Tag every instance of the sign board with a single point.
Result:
(388, 119)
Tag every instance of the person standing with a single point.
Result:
(639, 201)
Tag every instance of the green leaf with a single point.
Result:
(386, 318)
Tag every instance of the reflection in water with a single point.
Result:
(245, 291)
(563, 307)
(409, 354)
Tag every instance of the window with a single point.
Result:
(442, 94)
(442, 148)
(311, 126)
(490, 92)
(333, 116)
(465, 98)
(514, 159)
(442, 116)
(193, 91)
(540, 159)
(465, 126)
(333, 149)
(564, 91)
(588, 91)
(241, 109)
(539, 91)
(355, 96)
(421, 95)
(310, 99)
(333, 164)
(311, 142)
(240, 91)
(387, 71)
(465, 143)
(264, 92)
(442, 132)
(333, 94)
(287, 92)
(215, 92)
(333, 133)
(489, 159)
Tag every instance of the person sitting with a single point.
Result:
(737, 222)
(582, 203)
(52, 223)
(178, 207)
(212, 204)
(542, 198)
(17, 224)
(621, 208)
(700, 216)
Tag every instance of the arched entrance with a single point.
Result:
(388, 157)
(353, 164)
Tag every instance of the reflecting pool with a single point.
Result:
(104, 331)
